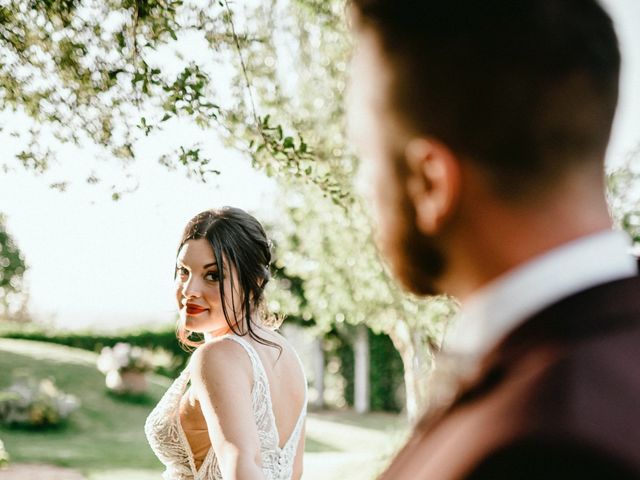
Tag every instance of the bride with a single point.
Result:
(237, 410)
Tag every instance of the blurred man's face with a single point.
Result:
(381, 144)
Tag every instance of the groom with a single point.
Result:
(483, 126)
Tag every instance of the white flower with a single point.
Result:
(67, 404)
(48, 388)
(106, 361)
(114, 380)
(122, 354)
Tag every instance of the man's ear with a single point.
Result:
(433, 183)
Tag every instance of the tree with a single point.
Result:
(95, 72)
(269, 81)
(344, 281)
(12, 268)
(271, 85)
(624, 195)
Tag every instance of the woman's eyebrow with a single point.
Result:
(210, 265)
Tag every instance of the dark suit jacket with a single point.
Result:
(559, 398)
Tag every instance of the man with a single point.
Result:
(484, 125)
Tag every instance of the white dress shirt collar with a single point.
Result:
(498, 308)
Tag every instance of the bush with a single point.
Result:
(157, 341)
(35, 403)
(124, 357)
(386, 372)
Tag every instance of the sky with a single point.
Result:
(96, 263)
(626, 132)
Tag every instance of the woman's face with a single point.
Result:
(198, 278)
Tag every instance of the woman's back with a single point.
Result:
(287, 383)
(278, 404)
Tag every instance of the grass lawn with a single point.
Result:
(105, 440)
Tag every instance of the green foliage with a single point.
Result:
(386, 371)
(12, 268)
(386, 374)
(624, 195)
(160, 340)
(102, 433)
(34, 403)
(96, 72)
(105, 438)
(324, 237)
(272, 86)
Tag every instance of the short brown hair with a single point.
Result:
(526, 89)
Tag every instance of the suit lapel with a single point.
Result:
(596, 311)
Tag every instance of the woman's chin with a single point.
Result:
(192, 325)
(197, 324)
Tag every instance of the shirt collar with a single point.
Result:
(499, 307)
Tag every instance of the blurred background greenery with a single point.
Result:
(91, 89)
(104, 439)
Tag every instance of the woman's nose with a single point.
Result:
(191, 288)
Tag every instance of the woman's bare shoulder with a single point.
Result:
(219, 358)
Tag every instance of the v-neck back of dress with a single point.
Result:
(168, 440)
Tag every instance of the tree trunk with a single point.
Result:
(417, 361)
(362, 385)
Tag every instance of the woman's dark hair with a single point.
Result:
(239, 243)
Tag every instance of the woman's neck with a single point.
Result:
(218, 332)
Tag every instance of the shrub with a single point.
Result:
(385, 370)
(124, 366)
(35, 403)
(163, 343)
(124, 357)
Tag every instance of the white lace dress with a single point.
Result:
(169, 442)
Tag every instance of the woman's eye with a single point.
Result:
(212, 276)
(182, 272)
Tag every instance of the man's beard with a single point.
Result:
(415, 259)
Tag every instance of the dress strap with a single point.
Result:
(260, 373)
(256, 363)
(304, 376)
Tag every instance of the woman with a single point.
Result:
(237, 410)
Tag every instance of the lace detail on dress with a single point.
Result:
(168, 440)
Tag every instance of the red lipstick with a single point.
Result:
(193, 309)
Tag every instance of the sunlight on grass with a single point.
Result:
(105, 440)
(105, 432)
(361, 444)
(116, 474)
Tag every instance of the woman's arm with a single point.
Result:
(222, 379)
